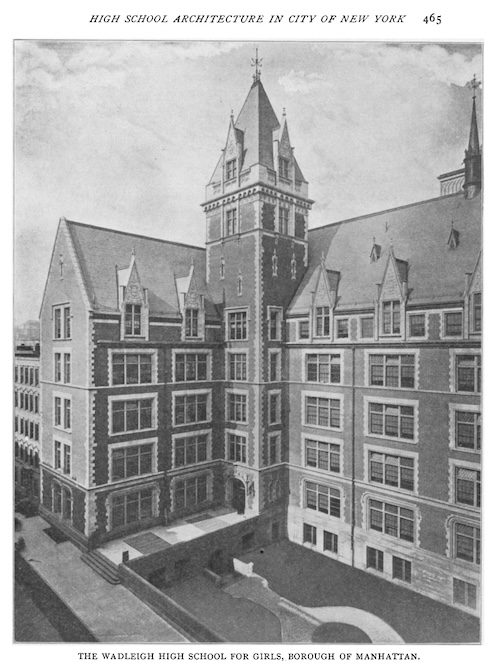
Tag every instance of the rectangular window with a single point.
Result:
(342, 328)
(392, 370)
(191, 409)
(374, 559)
(191, 318)
(36, 377)
(274, 360)
(330, 542)
(468, 372)
(58, 332)
(477, 305)
(57, 455)
(274, 408)
(274, 324)
(453, 324)
(36, 404)
(468, 430)
(237, 448)
(237, 407)
(67, 368)
(237, 366)
(129, 508)
(284, 217)
(21, 374)
(468, 487)
(231, 169)
(322, 322)
(323, 499)
(391, 317)
(309, 534)
(395, 421)
(284, 168)
(57, 411)
(464, 593)
(323, 411)
(16, 373)
(237, 325)
(367, 327)
(401, 569)
(325, 456)
(67, 459)
(231, 222)
(129, 462)
(67, 413)
(392, 520)
(191, 367)
(132, 319)
(36, 432)
(190, 449)
(303, 330)
(15, 399)
(274, 450)
(392, 470)
(131, 368)
(133, 415)
(31, 376)
(190, 492)
(416, 325)
(67, 322)
(323, 368)
(467, 543)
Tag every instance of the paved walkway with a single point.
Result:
(111, 612)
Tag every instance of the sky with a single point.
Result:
(126, 135)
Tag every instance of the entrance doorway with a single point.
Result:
(239, 496)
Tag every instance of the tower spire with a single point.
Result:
(472, 161)
(256, 63)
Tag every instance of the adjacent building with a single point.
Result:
(325, 382)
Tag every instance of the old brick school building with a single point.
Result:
(325, 383)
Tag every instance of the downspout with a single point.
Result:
(353, 458)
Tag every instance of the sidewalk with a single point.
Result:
(110, 612)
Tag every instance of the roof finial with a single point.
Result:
(232, 115)
(284, 111)
(256, 63)
(133, 250)
(474, 84)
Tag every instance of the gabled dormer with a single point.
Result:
(392, 296)
(324, 297)
(232, 155)
(473, 300)
(376, 252)
(132, 303)
(453, 238)
(191, 306)
(284, 163)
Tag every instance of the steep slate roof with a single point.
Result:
(101, 250)
(419, 235)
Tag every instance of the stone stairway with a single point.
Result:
(102, 566)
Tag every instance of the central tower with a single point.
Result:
(256, 209)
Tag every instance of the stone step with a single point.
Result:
(102, 566)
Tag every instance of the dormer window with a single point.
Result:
(132, 319)
(284, 168)
(322, 322)
(391, 317)
(191, 323)
(231, 169)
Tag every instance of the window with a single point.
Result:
(30, 397)
(468, 430)
(191, 409)
(237, 447)
(191, 320)
(67, 368)
(274, 366)
(275, 264)
(464, 593)
(67, 459)
(67, 322)
(57, 411)
(57, 454)
(392, 370)
(190, 449)
(231, 169)
(274, 324)
(132, 507)
(293, 268)
(374, 559)
(303, 330)
(237, 407)
(367, 327)
(67, 413)
(322, 322)
(330, 542)
(323, 499)
(58, 332)
(453, 324)
(15, 399)
(284, 217)
(396, 421)
(401, 569)
(239, 285)
(392, 520)
(132, 319)
(190, 367)
(468, 372)
(16, 373)
(237, 325)
(222, 268)
(21, 374)
(416, 325)
(21, 400)
(31, 376)
(231, 222)
(477, 312)
(342, 328)
(309, 534)
(131, 368)
(133, 415)
(323, 411)
(468, 487)
(392, 470)
(36, 377)
(36, 432)
(323, 368)
(274, 449)
(190, 492)
(62, 501)
(274, 407)
(467, 542)
(391, 317)
(284, 166)
(128, 462)
(325, 456)
(237, 366)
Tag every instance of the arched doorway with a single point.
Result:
(239, 496)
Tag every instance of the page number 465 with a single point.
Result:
(433, 19)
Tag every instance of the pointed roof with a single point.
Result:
(474, 147)
(257, 121)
